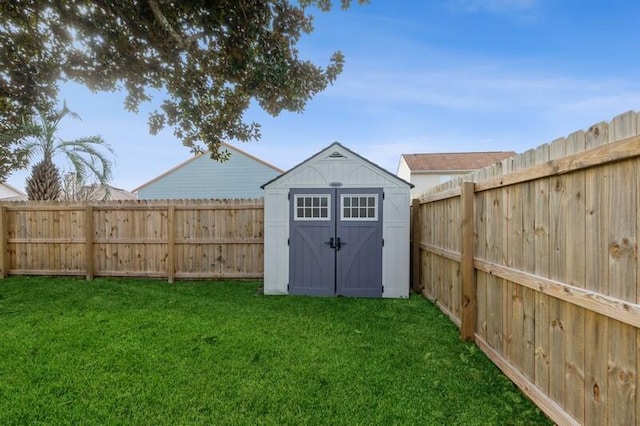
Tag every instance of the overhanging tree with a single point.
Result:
(12, 157)
(210, 58)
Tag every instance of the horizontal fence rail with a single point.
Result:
(165, 239)
(536, 260)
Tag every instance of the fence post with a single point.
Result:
(3, 241)
(416, 283)
(88, 238)
(171, 240)
(467, 270)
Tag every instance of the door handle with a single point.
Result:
(330, 242)
(339, 243)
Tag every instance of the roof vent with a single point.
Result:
(335, 154)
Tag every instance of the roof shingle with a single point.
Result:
(454, 160)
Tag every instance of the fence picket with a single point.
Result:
(596, 279)
(574, 274)
(623, 266)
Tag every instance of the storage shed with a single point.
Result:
(337, 224)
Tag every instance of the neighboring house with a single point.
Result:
(114, 193)
(98, 192)
(10, 193)
(74, 190)
(202, 177)
(428, 170)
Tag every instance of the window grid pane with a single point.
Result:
(312, 207)
(359, 207)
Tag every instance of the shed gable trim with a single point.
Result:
(328, 153)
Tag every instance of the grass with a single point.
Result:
(115, 351)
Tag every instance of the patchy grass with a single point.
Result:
(115, 351)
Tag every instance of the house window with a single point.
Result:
(312, 207)
(359, 207)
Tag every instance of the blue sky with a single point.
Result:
(421, 76)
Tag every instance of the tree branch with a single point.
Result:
(155, 8)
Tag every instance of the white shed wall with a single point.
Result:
(396, 234)
(276, 233)
(350, 172)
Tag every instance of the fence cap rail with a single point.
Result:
(239, 202)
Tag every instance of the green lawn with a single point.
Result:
(116, 351)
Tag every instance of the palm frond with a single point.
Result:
(90, 157)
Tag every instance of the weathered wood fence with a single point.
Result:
(536, 260)
(168, 239)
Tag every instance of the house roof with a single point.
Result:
(195, 157)
(329, 148)
(459, 161)
(17, 194)
(120, 194)
(15, 198)
(12, 188)
(114, 193)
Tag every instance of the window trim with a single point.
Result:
(376, 206)
(312, 196)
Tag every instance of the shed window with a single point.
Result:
(312, 207)
(359, 207)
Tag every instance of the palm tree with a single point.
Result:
(87, 155)
(43, 184)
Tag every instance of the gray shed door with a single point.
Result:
(335, 242)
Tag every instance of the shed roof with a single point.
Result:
(454, 160)
(328, 151)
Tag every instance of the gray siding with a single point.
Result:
(239, 177)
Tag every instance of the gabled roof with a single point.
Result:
(98, 192)
(459, 161)
(12, 188)
(15, 198)
(327, 150)
(18, 195)
(195, 157)
(120, 194)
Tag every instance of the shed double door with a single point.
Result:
(335, 242)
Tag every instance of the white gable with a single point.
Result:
(337, 166)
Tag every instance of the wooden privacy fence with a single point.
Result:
(536, 260)
(169, 239)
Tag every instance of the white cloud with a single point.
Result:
(474, 88)
(476, 105)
